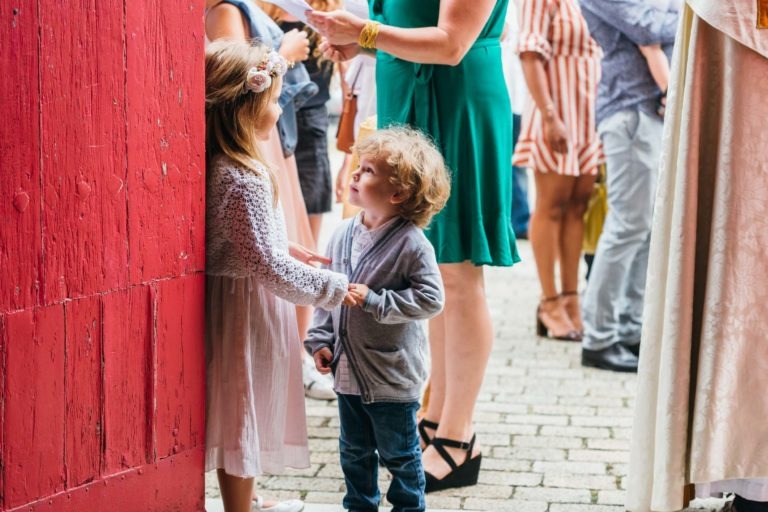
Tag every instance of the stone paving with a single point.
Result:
(555, 436)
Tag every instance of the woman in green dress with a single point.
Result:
(439, 70)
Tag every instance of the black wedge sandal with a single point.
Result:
(461, 475)
(423, 426)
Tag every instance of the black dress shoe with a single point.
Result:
(633, 347)
(617, 358)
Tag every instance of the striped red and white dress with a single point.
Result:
(556, 30)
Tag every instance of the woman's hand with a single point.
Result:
(339, 27)
(295, 46)
(305, 255)
(339, 53)
(555, 136)
(323, 358)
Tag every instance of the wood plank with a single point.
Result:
(166, 138)
(83, 394)
(83, 147)
(174, 484)
(20, 256)
(180, 390)
(127, 379)
(2, 410)
(33, 454)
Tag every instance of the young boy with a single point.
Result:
(377, 349)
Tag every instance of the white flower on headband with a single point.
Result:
(258, 80)
(276, 64)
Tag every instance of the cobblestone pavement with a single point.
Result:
(555, 436)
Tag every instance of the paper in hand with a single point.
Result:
(296, 8)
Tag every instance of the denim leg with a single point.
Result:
(521, 212)
(616, 284)
(394, 425)
(359, 462)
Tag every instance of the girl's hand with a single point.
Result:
(323, 358)
(338, 53)
(295, 46)
(339, 27)
(555, 136)
(349, 300)
(305, 255)
(359, 292)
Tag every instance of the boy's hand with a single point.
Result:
(323, 358)
(358, 292)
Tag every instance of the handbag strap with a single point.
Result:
(354, 82)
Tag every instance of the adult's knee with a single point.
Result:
(553, 212)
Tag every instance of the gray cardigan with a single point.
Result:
(384, 343)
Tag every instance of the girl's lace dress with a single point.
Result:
(255, 398)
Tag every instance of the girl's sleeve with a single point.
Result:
(251, 227)
(535, 19)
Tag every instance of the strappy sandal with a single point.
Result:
(460, 475)
(572, 294)
(543, 331)
(423, 426)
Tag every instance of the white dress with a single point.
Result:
(701, 402)
(255, 418)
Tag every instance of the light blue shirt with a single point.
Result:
(619, 27)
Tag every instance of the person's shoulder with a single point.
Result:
(225, 20)
(341, 229)
(224, 169)
(413, 239)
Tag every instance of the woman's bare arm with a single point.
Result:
(458, 27)
(225, 21)
(538, 85)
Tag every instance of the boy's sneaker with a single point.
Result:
(316, 386)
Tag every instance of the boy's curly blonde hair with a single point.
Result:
(417, 168)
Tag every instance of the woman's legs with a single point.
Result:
(434, 408)
(236, 492)
(461, 340)
(571, 238)
(315, 223)
(553, 193)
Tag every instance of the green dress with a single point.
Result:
(466, 110)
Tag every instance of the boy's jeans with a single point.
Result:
(390, 429)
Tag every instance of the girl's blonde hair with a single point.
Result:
(232, 112)
(417, 168)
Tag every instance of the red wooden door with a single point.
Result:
(101, 255)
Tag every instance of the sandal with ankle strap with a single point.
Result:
(423, 426)
(572, 294)
(460, 475)
(543, 331)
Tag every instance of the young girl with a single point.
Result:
(254, 410)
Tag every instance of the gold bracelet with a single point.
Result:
(369, 34)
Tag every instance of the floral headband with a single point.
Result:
(260, 78)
